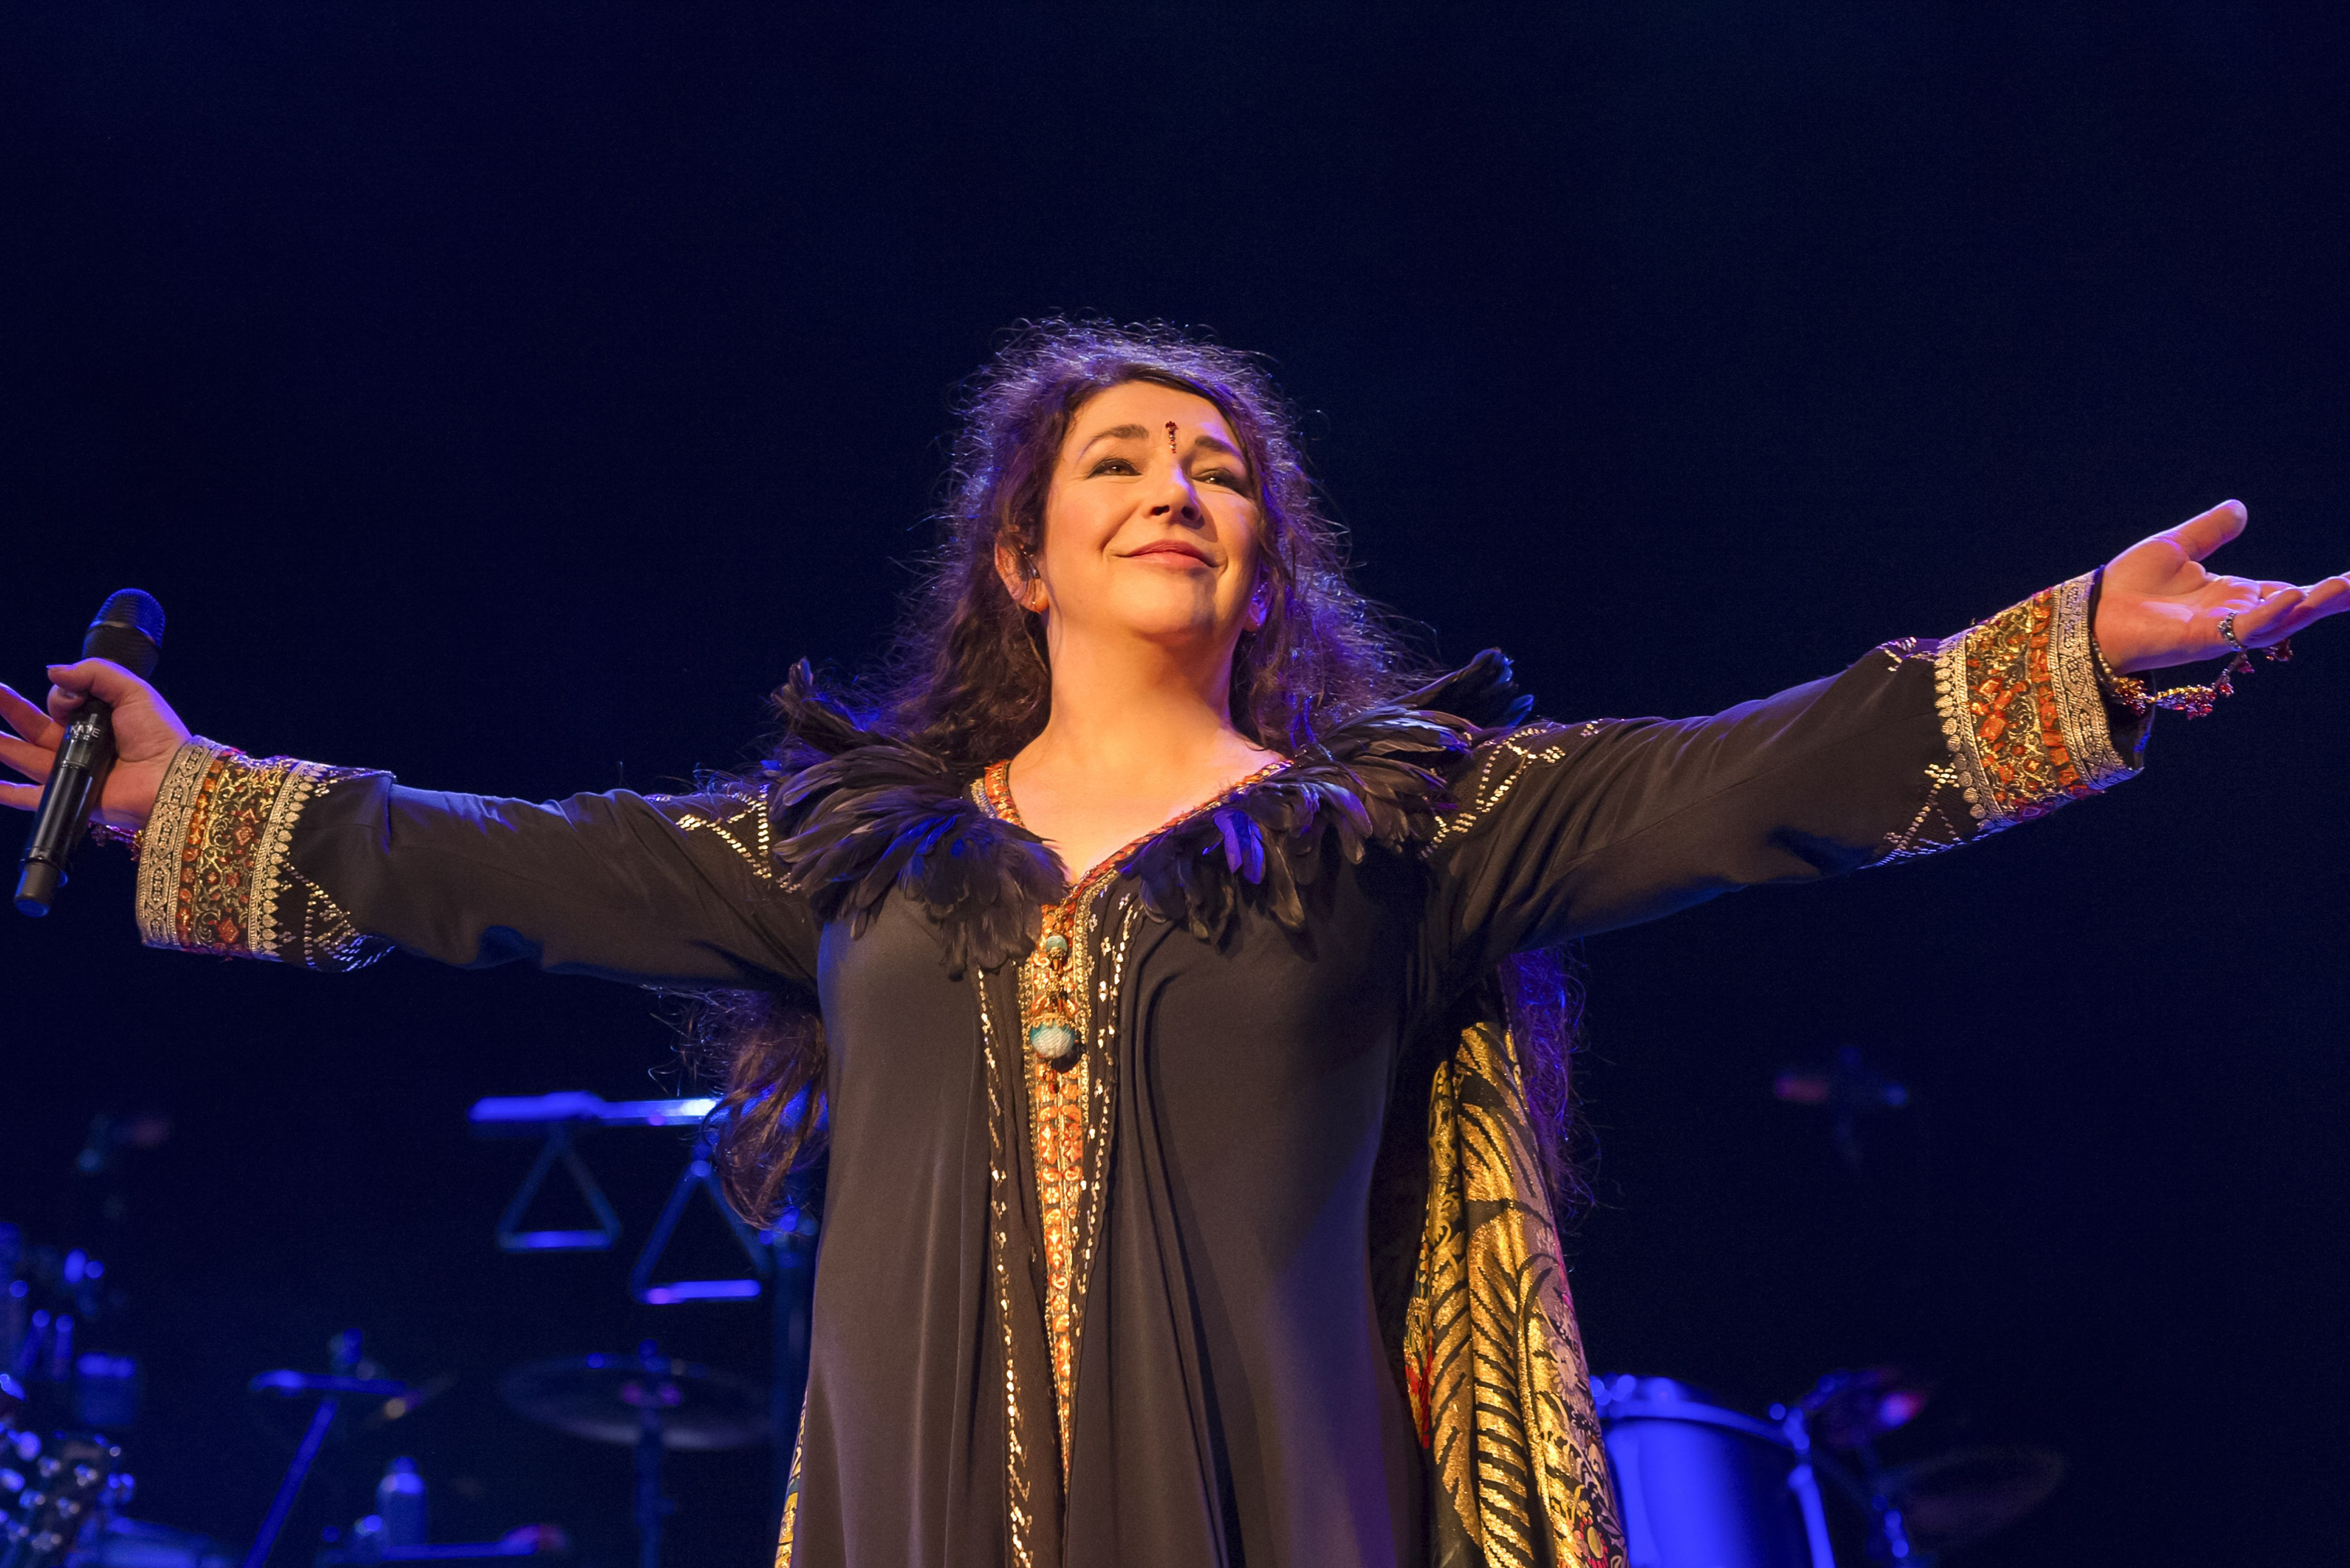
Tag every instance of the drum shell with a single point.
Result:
(135, 1543)
(1700, 1484)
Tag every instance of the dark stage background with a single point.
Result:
(505, 395)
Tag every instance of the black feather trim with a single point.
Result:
(1378, 779)
(1484, 691)
(860, 816)
(863, 815)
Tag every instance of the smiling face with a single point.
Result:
(1151, 526)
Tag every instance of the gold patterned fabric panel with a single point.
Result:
(2027, 726)
(1492, 1355)
(792, 1496)
(214, 869)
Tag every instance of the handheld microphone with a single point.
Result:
(129, 630)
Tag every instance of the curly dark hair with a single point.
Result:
(966, 678)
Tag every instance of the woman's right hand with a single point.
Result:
(146, 735)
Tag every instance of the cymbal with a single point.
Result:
(602, 1398)
(1849, 1408)
(1953, 1499)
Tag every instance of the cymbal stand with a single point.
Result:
(1888, 1537)
(653, 1507)
(1803, 1482)
(293, 1384)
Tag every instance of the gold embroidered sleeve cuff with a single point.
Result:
(216, 873)
(2028, 726)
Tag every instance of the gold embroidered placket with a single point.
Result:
(1070, 1075)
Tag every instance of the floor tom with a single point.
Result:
(1704, 1485)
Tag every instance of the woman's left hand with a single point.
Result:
(2159, 607)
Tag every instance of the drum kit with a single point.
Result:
(1703, 1484)
(1700, 1483)
(63, 1490)
(67, 1490)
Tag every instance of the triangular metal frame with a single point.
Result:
(698, 1173)
(513, 1238)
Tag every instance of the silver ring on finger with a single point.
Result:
(2228, 631)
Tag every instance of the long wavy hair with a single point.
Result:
(966, 678)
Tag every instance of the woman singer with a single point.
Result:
(1167, 959)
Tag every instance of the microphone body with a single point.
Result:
(129, 630)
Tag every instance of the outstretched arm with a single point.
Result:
(271, 857)
(1565, 830)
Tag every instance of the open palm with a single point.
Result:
(2160, 606)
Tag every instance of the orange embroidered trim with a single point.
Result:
(227, 890)
(1057, 1133)
(215, 872)
(2019, 705)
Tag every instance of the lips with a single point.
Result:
(1171, 547)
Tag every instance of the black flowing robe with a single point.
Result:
(1287, 968)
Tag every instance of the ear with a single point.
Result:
(1260, 605)
(1026, 589)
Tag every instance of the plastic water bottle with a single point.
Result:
(400, 1503)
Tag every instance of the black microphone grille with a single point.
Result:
(129, 630)
(132, 607)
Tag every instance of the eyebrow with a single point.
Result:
(1138, 432)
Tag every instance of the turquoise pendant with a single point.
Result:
(1051, 1039)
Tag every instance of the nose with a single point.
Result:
(1177, 499)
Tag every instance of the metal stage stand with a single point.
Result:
(780, 1259)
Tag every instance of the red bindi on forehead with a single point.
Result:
(1170, 435)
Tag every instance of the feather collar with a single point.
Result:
(871, 815)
